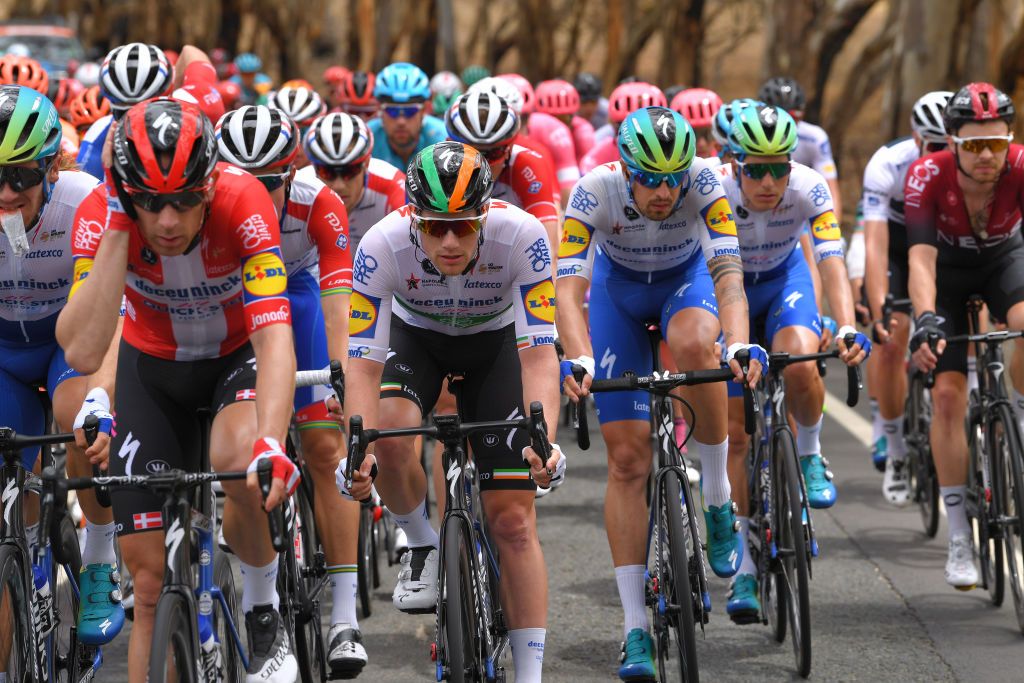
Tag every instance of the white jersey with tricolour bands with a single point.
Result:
(767, 238)
(883, 180)
(814, 150)
(602, 215)
(509, 283)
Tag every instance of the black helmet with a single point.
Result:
(448, 177)
(588, 86)
(784, 92)
(977, 102)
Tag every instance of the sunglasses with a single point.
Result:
(154, 202)
(405, 111)
(778, 169)
(21, 178)
(994, 143)
(495, 153)
(654, 180)
(329, 173)
(439, 227)
(273, 181)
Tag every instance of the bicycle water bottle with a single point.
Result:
(42, 602)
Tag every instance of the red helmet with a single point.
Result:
(557, 97)
(629, 97)
(698, 106)
(88, 107)
(62, 91)
(334, 75)
(977, 102)
(218, 56)
(356, 89)
(158, 127)
(24, 71)
(172, 56)
(230, 92)
(529, 97)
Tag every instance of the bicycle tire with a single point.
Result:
(795, 561)
(65, 647)
(364, 560)
(457, 622)
(777, 589)
(990, 549)
(1012, 480)
(310, 649)
(15, 591)
(679, 583)
(925, 483)
(174, 639)
(224, 579)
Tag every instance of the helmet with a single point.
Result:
(338, 140)
(448, 177)
(629, 97)
(524, 87)
(557, 97)
(481, 119)
(230, 92)
(257, 137)
(297, 83)
(88, 74)
(503, 88)
(302, 105)
(445, 83)
(88, 107)
(588, 86)
(977, 102)
(673, 90)
(782, 92)
(356, 89)
(763, 131)
(133, 73)
(698, 106)
(402, 82)
(926, 116)
(248, 63)
(656, 140)
(19, 50)
(184, 134)
(442, 103)
(29, 125)
(723, 120)
(62, 91)
(218, 56)
(334, 75)
(24, 71)
(473, 73)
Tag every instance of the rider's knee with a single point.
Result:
(147, 582)
(322, 453)
(628, 464)
(948, 401)
(513, 525)
(801, 376)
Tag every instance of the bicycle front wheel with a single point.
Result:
(984, 497)
(924, 481)
(793, 552)
(18, 647)
(457, 623)
(365, 560)
(677, 580)
(173, 656)
(1011, 478)
(224, 578)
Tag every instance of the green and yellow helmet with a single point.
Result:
(656, 140)
(763, 131)
(29, 126)
(448, 177)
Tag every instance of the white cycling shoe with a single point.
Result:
(960, 570)
(896, 483)
(416, 590)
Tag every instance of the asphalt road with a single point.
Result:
(880, 608)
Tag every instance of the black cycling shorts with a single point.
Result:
(158, 427)
(999, 280)
(492, 389)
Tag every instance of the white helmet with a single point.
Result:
(481, 118)
(256, 137)
(502, 88)
(88, 74)
(445, 83)
(134, 72)
(302, 105)
(338, 140)
(926, 116)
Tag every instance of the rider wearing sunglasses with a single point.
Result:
(774, 199)
(404, 126)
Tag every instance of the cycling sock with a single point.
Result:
(876, 422)
(527, 653)
(630, 579)
(808, 438)
(99, 544)
(259, 586)
(894, 438)
(747, 565)
(953, 499)
(972, 377)
(417, 527)
(714, 479)
(344, 582)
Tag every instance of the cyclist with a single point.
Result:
(404, 127)
(723, 125)
(421, 265)
(194, 247)
(963, 209)
(643, 234)
(301, 104)
(473, 73)
(255, 85)
(774, 199)
(39, 193)
(593, 105)
(338, 147)
(88, 107)
(506, 90)
(699, 106)
(885, 242)
(24, 71)
(549, 123)
(445, 86)
(625, 99)
(195, 81)
(355, 95)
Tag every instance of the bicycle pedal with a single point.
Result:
(745, 618)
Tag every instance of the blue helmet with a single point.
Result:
(402, 82)
(723, 120)
(248, 63)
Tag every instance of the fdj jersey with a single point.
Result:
(527, 182)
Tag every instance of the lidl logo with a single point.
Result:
(575, 238)
(264, 275)
(718, 217)
(363, 317)
(539, 301)
(825, 227)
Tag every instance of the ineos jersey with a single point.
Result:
(510, 282)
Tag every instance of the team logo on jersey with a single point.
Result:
(82, 267)
(264, 274)
(539, 301)
(825, 227)
(363, 317)
(718, 217)
(575, 238)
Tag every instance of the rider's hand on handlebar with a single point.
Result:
(550, 474)
(758, 361)
(96, 403)
(361, 486)
(569, 385)
(334, 409)
(927, 325)
(284, 472)
(857, 352)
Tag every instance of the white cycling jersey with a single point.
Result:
(814, 149)
(882, 198)
(509, 283)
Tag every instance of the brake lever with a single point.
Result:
(580, 411)
(853, 378)
(274, 517)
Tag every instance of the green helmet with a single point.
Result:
(473, 73)
(656, 140)
(29, 125)
(763, 131)
(442, 103)
(448, 177)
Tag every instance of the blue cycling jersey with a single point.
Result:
(433, 131)
(90, 150)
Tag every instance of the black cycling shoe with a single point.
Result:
(270, 657)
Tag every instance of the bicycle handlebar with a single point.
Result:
(780, 361)
(580, 411)
(332, 376)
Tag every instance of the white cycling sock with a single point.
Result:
(747, 566)
(894, 438)
(876, 421)
(972, 376)
(417, 527)
(259, 586)
(1018, 405)
(630, 580)
(808, 438)
(714, 481)
(527, 653)
(956, 512)
(99, 544)
(344, 584)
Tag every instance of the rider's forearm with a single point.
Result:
(189, 54)
(837, 199)
(840, 301)
(876, 266)
(362, 389)
(336, 312)
(922, 277)
(107, 373)
(275, 380)
(733, 312)
(808, 251)
(569, 317)
(540, 382)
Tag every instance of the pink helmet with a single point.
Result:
(557, 97)
(629, 97)
(529, 98)
(698, 106)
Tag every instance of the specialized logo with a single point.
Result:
(718, 218)
(825, 227)
(575, 238)
(264, 275)
(363, 316)
(539, 300)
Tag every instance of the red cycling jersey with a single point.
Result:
(532, 144)
(314, 230)
(936, 213)
(528, 183)
(206, 302)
